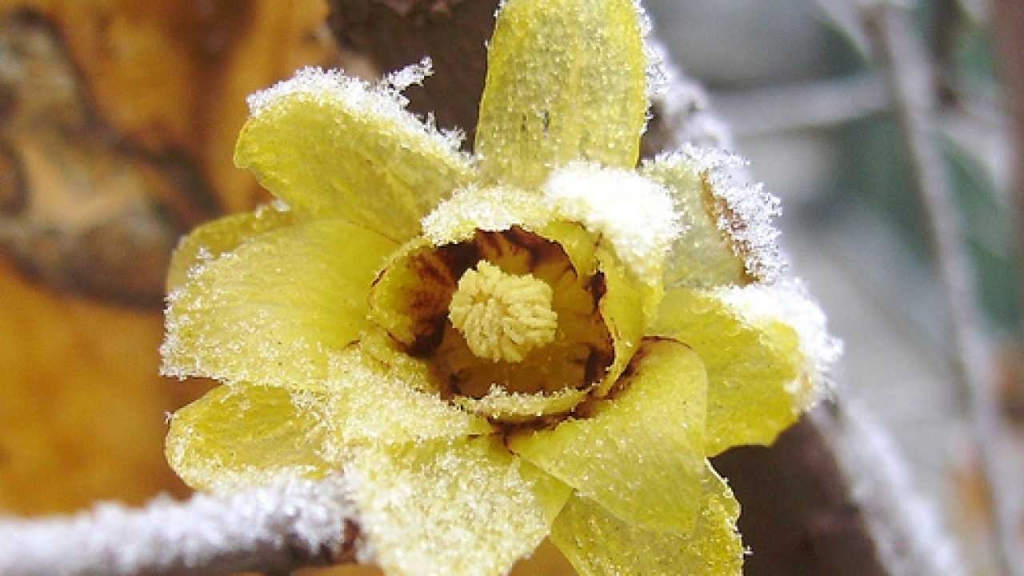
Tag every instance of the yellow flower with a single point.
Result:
(543, 340)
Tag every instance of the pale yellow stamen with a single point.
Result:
(503, 317)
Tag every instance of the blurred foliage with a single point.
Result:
(876, 166)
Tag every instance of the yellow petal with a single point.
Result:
(566, 81)
(640, 452)
(626, 307)
(244, 435)
(763, 368)
(510, 407)
(598, 543)
(332, 146)
(460, 509)
(729, 235)
(222, 235)
(373, 402)
(270, 311)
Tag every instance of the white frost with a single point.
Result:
(789, 302)
(745, 212)
(383, 99)
(635, 214)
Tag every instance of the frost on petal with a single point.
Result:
(504, 406)
(269, 311)
(790, 302)
(640, 453)
(766, 352)
(223, 235)
(462, 508)
(566, 81)
(374, 402)
(597, 543)
(634, 214)
(334, 146)
(488, 209)
(730, 236)
(238, 436)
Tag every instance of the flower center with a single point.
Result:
(502, 317)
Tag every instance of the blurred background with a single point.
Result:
(117, 126)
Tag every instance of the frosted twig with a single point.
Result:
(908, 69)
(907, 533)
(278, 528)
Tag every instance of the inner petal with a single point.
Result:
(503, 315)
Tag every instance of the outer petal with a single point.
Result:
(566, 81)
(374, 402)
(246, 435)
(270, 311)
(766, 352)
(222, 235)
(333, 146)
(598, 543)
(640, 453)
(459, 508)
(730, 237)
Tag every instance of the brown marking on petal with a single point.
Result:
(720, 211)
(538, 249)
(597, 362)
(598, 287)
(428, 334)
(489, 244)
(632, 370)
(458, 258)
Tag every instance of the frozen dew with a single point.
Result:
(487, 209)
(380, 100)
(371, 402)
(412, 75)
(634, 214)
(743, 212)
(445, 508)
(789, 301)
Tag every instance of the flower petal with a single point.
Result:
(440, 508)
(269, 311)
(566, 81)
(376, 402)
(599, 543)
(730, 237)
(333, 146)
(766, 352)
(222, 235)
(245, 435)
(639, 453)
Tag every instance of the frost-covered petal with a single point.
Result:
(640, 452)
(333, 146)
(223, 235)
(598, 543)
(460, 508)
(729, 233)
(766, 351)
(371, 401)
(246, 435)
(270, 311)
(633, 214)
(566, 81)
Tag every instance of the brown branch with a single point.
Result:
(276, 529)
(902, 55)
(1009, 27)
